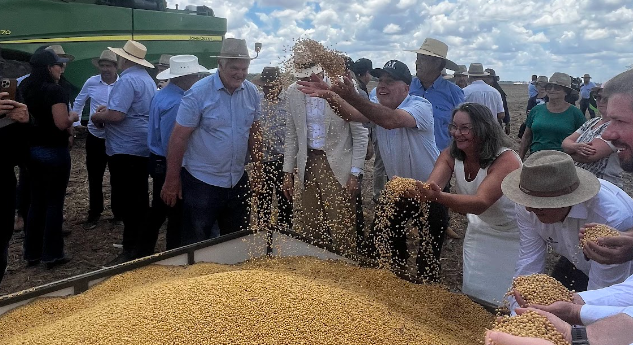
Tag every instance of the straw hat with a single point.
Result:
(134, 52)
(268, 77)
(584, 76)
(477, 70)
(106, 55)
(561, 79)
(233, 48)
(542, 80)
(181, 65)
(305, 70)
(461, 70)
(57, 49)
(163, 61)
(549, 179)
(438, 49)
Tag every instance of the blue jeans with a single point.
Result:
(49, 170)
(204, 204)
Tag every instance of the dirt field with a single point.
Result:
(91, 249)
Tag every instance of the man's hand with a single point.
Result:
(520, 301)
(171, 191)
(563, 327)
(288, 186)
(423, 194)
(352, 186)
(16, 111)
(95, 118)
(499, 338)
(609, 250)
(315, 87)
(567, 311)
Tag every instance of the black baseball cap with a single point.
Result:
(396, 69)
(45, 57)
(361, 66)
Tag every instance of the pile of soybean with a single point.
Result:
(270, 301)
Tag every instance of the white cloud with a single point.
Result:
(517, 38)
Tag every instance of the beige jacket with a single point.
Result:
(345, 144)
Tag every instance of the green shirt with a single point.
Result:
(550, 129)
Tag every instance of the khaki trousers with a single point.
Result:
(327, 208)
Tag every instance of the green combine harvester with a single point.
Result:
(84, 28)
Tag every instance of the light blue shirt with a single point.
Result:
(217, 149)
(585, 90)
(532, 91)
(444, 96)
(131, 95)
(162, 118)
(273, 123)
(98, 92)
(410, 152)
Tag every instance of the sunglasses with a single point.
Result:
(553, 87)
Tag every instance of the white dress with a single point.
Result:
(491, 244)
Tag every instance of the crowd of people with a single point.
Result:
(306, 145)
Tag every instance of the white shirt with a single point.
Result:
(611, 206)
(98, 92)
(592, 313)
(618, 295)
(315, 122)
(484, 94)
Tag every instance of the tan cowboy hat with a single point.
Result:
(438, 49)
(477, 70)
(181, 65)
(584, 76)
(542, 80)
(106, 55)
(561, 79)
(233, 48)
(461, 70)
(57, 49)
(134, 52)
(268, 77)
(163, 61)
(549, 179)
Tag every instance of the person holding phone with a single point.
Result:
(14, 150)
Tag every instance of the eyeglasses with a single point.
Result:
(553, 87)
(463, 130)
(601, 98)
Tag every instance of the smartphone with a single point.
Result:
(10, 86)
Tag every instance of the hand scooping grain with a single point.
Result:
(541, 289)
(592, 234)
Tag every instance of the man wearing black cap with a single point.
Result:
(405, 136)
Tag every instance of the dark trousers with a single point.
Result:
(394, 237)
(204, 204)
(49, 170)
(273, 183)
(96, 162)
(23, 193)
(571, 277)
(584, 106)
(128, 178)
(360, 216)
(159, 212)
(7, 211)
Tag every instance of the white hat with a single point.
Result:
(134, 52)
(181, 65)
(307, 71)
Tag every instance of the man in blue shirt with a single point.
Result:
(429, 83)
(217, 125)
(182, 74)
(532, 91)
(125, 119)
(585, 95)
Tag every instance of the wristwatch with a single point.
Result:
(579, 335)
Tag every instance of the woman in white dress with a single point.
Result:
(480, 158)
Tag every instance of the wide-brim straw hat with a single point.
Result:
(268, 77)
(549, 179)
(180, 66)
(163, 61)
(461, 70)
(233, 48)
(561, 79)
(438, 49)
(133, 51)
(543, 80)
(304, 72)
(106, 55)
(57, 49)
(477, 70)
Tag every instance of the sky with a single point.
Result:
(517, 38)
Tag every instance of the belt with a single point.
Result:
(316, 152)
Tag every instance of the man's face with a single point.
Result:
(550, 215)
(586, 80)
(391, 92)
(620, 130)
(426, 66)
(233, 72)
(365, 78)
(107, 69)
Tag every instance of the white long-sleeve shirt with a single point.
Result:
(611, 206)
(606, 302)
(98, 92)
